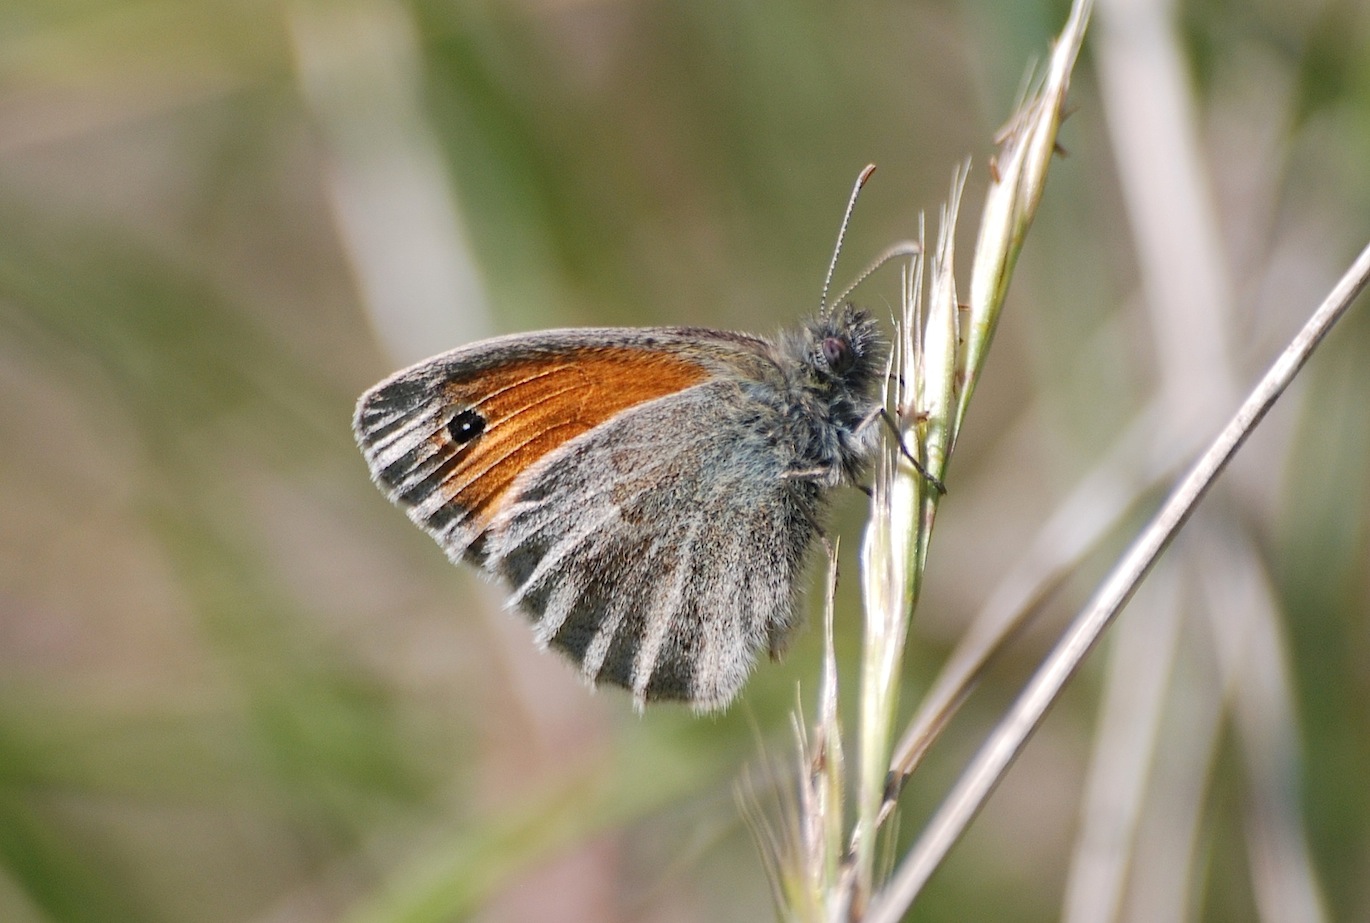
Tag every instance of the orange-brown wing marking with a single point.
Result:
(531, 407)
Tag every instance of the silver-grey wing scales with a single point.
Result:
(661, 550)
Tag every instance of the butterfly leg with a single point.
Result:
(807, 474)
(882, 414)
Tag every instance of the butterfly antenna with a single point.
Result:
(893, 252)
(842, 233)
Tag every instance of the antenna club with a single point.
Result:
(861, 178)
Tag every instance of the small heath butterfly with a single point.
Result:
(648, 495)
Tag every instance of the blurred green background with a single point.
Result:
(235, 684)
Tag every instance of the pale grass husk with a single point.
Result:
(939, 351)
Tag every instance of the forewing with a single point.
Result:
(447, 438)
(661, 550)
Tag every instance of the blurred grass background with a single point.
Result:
(235, 684)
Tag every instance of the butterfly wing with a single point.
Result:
(446, 438)
(627, 483)
(661, 550)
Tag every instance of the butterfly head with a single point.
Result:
(845, 355)
(839, 359)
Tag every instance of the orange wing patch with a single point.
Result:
(451, 449)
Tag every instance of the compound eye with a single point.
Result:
(838, 353)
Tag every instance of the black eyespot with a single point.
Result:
(838, 353)
(466, 426)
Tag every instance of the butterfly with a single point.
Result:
(649, 495)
